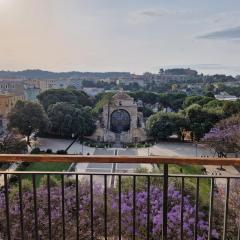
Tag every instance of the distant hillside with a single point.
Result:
(40, 74)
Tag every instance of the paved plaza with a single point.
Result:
(161, 149)
(61, 144)
(173, 149)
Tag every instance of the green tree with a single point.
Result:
(66, 118)
(209, 94)
(175, 100)
(200, 100)
(200, 120)
(230, 108)
(147, 112)
(102, 99)
(27, 117)
(209, 87)
(162, 125)
(214, 104)
(72, 96)
(146, 97)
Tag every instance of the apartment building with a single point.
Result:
(7, 102)
(46, 84)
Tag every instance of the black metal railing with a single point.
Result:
(138, 205)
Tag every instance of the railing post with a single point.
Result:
(165, 200)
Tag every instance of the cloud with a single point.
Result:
(228, 18)
(150, 13)
(147, 15)
(230, 33)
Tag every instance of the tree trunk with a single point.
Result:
(28, 140)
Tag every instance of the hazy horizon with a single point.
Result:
(131, 72)
(131, 36)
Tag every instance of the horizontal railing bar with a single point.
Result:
(79, 173)
(203, 176)
(118, 159)
(117, 174)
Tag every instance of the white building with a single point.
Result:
(93, 91)
(225, 96)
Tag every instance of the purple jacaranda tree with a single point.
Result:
(224, 138)
(84, 213)
(233, 218)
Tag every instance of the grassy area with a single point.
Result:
(186, 169)
(190, 183)
(55, 167)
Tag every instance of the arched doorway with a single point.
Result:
(120, 121)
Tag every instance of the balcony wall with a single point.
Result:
(159, 205)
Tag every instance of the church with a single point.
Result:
(121, 121)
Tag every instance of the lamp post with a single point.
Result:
(196, 149)
(29, 133)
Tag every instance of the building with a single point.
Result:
(76, 83)
(225, 96)
(7, 102)
(14, 86)
(93, 91)
(136, 79)
(46, 84)
(121, 121)
(175, 75)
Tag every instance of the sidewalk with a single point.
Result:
(12, 167)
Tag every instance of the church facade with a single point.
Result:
(121, 121)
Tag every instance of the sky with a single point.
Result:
(127, 35)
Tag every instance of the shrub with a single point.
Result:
(36, 151)
(49, 151)
(52, 180)
(23, 166)
(61, 152)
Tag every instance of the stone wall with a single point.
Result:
(135, 134)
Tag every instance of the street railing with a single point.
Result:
(108, 221)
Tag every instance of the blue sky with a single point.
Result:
(126, 35)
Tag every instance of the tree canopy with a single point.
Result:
(172, 100)
(162, 125)
(200, 100)
(72, 96)
(224, 136)
(146, 97)
(102, 99)
(200, 120)
(27, 117)
(67, 119)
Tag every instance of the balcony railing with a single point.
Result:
(84, 205)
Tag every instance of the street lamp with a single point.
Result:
(196, 149)
(29, 133)
(82, 147)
